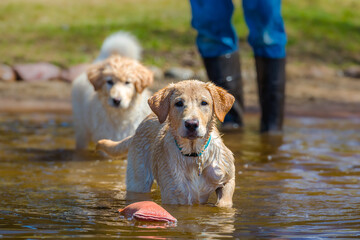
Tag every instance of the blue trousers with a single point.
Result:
(217, 36)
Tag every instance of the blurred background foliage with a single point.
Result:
(67, 32)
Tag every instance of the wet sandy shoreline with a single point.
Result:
(325, 96)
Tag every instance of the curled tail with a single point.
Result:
(122, 43)
(114, 149)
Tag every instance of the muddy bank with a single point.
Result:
(312, 90)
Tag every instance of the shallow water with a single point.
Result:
(305, 184)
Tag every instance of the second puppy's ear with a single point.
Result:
(222, 101)
(160, 103)
(145, 78)
(94, 74)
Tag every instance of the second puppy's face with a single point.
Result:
(119, 79)
(119, 92)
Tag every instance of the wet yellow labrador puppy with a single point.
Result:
(180, 147)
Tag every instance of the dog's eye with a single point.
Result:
(179, 104)
(204, 103)
(110, 82)
(127, 82)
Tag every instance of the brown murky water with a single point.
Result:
(305, 184)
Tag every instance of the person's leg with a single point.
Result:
(268, 39)
(218, 45)
(212, 20)
(266, 27)
(271, 89)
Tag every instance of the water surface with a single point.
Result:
(304, 184)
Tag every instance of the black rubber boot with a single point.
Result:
(271, 87)
(225, 72)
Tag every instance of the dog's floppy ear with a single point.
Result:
(94, 75)
(222, 100)
(160, 103)
(145, 78)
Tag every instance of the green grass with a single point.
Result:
(67, 32)
(326, 30)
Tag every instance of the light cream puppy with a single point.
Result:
(180, 147)
(110, 99)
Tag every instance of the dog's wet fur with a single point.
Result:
(184, 118)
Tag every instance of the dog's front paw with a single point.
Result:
(224, 204)
(103, 144)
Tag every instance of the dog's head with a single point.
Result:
(118, 79)
(191, 107)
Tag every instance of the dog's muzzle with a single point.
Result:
(191, 127)
(116, 102)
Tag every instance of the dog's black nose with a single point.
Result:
(116, 102)
(191, 125)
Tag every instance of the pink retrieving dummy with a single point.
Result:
(147, 211)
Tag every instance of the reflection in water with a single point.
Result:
(270, 144)
(302, 184)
